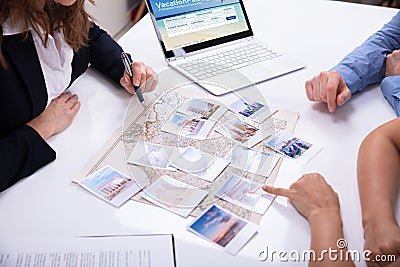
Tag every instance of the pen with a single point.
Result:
(127, 64)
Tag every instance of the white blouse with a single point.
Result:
(55, 59)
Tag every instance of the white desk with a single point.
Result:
(318, 32)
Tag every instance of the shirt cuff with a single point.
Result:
(390, 87)
(351, 79)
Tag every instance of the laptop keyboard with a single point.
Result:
(235, 58)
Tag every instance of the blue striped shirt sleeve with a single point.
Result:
(365, 65)
(390, 87)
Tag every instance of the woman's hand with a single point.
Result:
(57, 116)
(319, 204)
(143, 76)
(310, 195)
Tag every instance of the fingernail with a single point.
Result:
(126, 79)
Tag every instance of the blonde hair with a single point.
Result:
(73, 20)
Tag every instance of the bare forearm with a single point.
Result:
(326, 230)
(378, 169)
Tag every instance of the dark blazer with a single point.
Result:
(23, 96)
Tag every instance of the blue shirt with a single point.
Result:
(366, 64)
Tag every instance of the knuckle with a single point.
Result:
(308, 84)
(335, 75)
(330, 88)
(58, 101)
(301, 180)
(293, 188)
(334, 72)
(317, 177)
(139, 65)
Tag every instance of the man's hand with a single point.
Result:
(393, 64)
(328, 87)
(57, 116)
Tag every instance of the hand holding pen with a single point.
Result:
(138, 78)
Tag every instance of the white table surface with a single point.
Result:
(319, 33)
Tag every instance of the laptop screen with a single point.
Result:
(189, 25)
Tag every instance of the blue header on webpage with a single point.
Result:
(167, 8)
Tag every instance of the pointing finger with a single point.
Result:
(277, 191)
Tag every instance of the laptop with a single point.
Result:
(211, 42)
